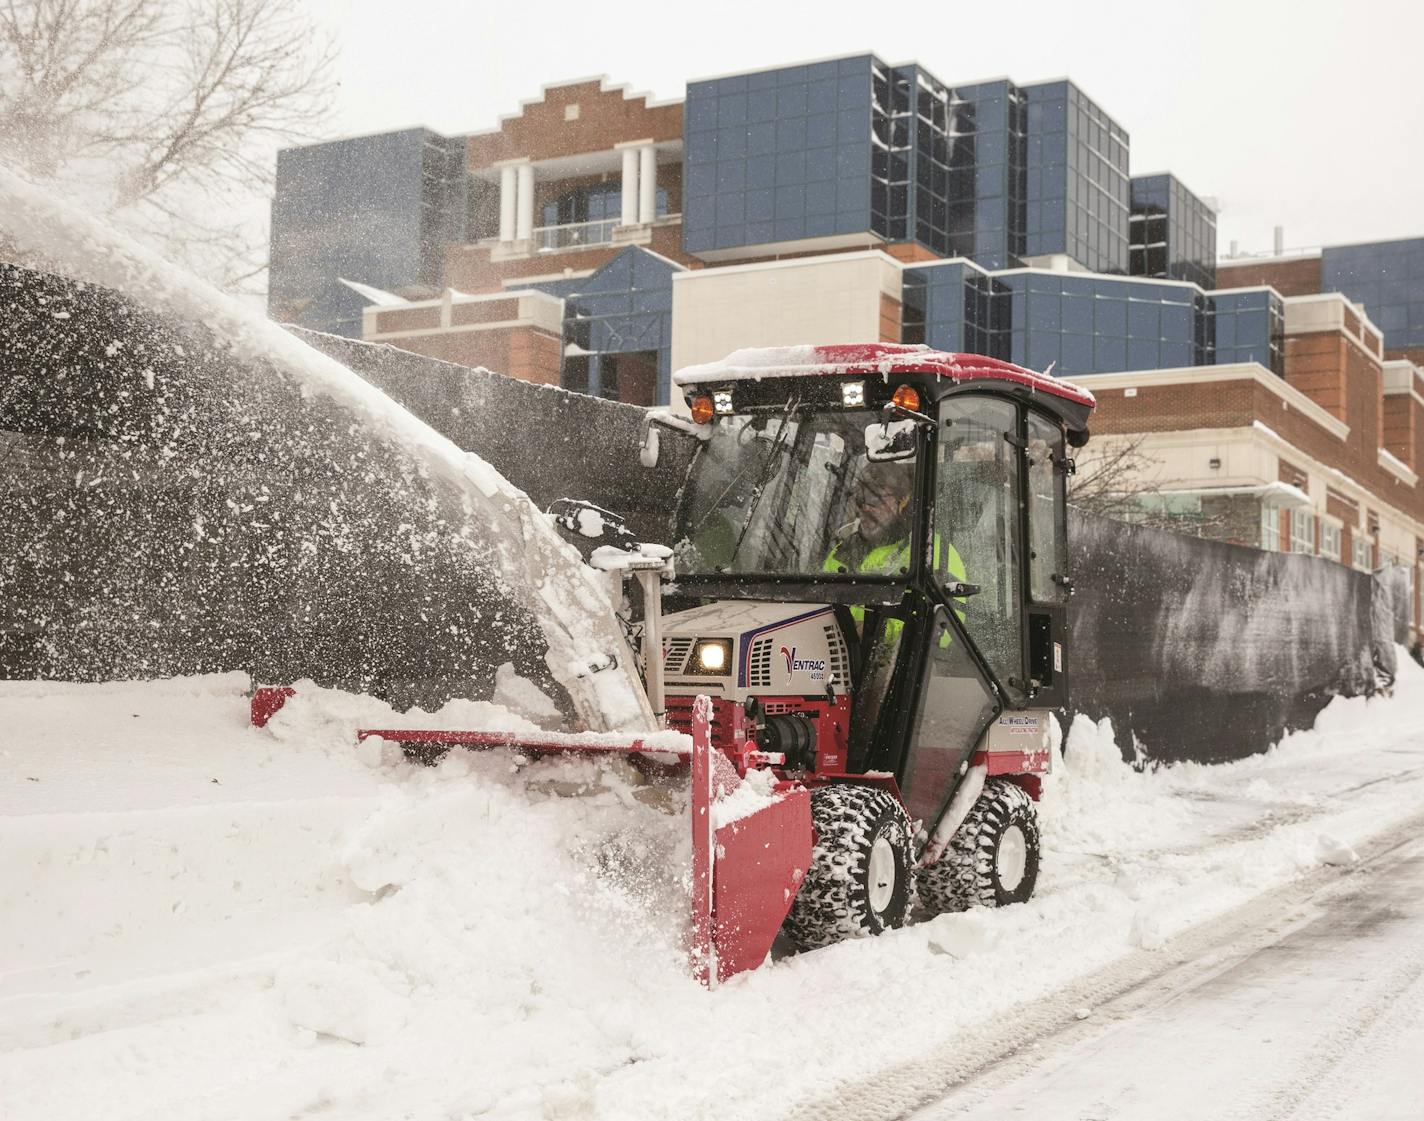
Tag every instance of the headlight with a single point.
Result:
(853, 394)
(711, 656)
(722, 401)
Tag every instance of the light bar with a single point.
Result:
(853, 394)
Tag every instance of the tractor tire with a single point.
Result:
(992, 860)
(860, 879)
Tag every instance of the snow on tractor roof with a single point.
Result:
(879, 359)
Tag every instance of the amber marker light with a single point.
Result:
(906, 397)
(702, 409)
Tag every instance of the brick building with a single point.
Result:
(576, 228)
(602, 241)
(1324, 460)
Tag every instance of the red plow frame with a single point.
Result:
(745, 872)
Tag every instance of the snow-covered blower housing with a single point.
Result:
(871, 569)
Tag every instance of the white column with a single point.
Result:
(647, 185)
(507, 179)
(524, 215)
(630, 187)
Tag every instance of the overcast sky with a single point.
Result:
(1309, 115)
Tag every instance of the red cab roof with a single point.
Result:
(874, 359)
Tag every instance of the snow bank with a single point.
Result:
(462, 941)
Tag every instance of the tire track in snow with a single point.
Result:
(996, 1053)
(1294, 814)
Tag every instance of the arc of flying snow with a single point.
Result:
(543, 571)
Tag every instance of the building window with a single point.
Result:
(1302, 527)
(1271, 528)
(600, 203)
(1362, 559)
(1330, 540)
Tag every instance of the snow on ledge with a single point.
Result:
(1397, 468)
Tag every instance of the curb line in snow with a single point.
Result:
(1211, 946)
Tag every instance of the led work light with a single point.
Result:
(711, 656)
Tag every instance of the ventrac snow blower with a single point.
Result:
(871, 592)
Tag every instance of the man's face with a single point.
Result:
(878, 502)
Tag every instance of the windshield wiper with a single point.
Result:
(763, 477)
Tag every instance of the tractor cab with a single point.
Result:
(876, 538)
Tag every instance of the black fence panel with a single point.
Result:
(548, 442)
(1204, 651)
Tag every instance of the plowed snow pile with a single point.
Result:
(203, 920)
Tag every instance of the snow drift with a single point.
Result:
(339, 933)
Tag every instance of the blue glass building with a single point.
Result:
(780, 156)
(374, 209)
(1173, 233)
(618, 328)
(852, 152)
(1077, 179)
(988, 147)
(1388, 278)
(1089, 324)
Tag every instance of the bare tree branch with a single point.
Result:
(167, 111)
(1117, 478)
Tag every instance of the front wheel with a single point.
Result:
(859, 882)
(992, 860)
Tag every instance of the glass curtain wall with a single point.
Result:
(1077, 169)
(1388, 278)
(1250, 327)
(782, 155)
(1173, 233)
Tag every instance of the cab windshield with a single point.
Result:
(795, 495)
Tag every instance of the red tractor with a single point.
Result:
(872, 539)
(879, 535)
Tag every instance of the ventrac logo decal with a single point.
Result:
(816, 667)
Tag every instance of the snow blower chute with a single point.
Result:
(870, 617)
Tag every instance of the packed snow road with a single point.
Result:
(1315, 1012)
(203, 920)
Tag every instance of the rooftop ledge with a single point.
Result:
(1290, 396)
(1397, 468)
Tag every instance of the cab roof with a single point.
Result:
(875, 359)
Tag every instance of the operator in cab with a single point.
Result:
(877, 542)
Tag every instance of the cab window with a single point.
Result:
(976, 536)
(1046, 529)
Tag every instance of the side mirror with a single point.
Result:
(664, 417)
(890, 441)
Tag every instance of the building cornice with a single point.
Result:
(1344, 486)
(1198, 375)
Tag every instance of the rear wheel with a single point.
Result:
(992, 860)
(859, 882)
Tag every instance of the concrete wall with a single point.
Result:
(816, 300)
